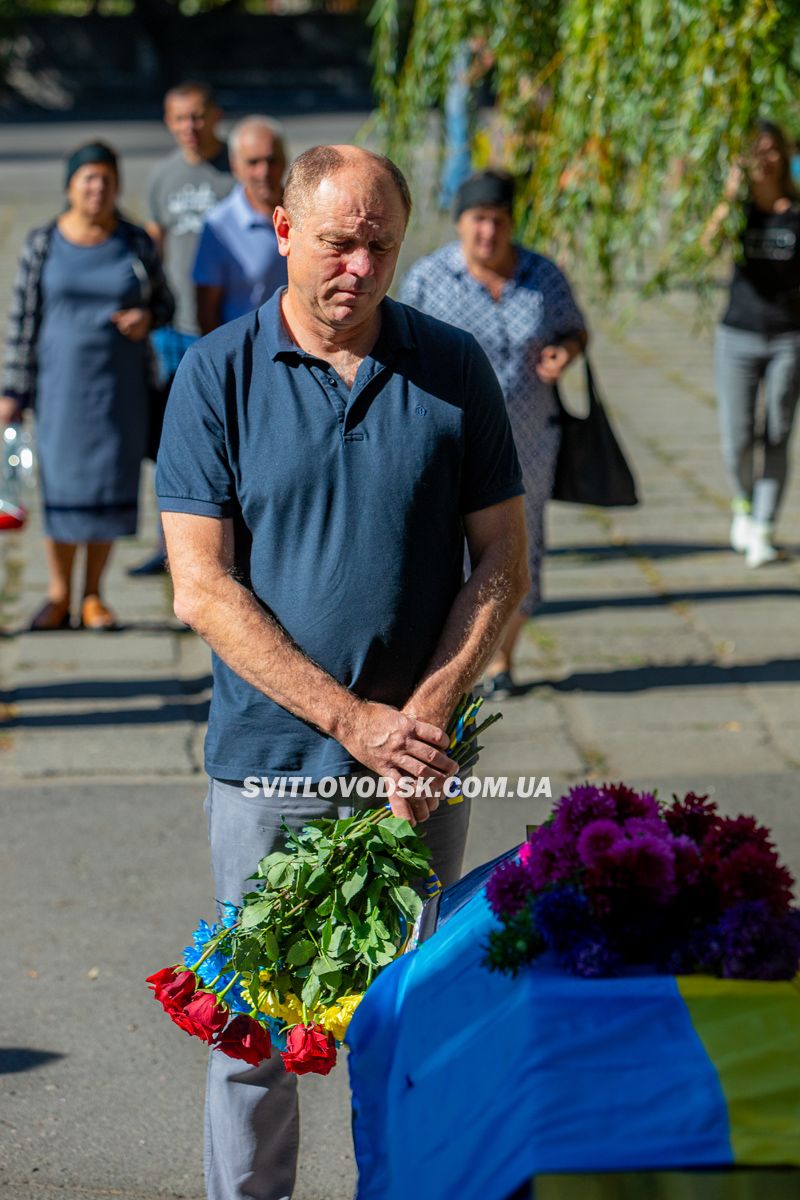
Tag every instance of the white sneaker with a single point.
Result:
(741, 527)
(760, 550)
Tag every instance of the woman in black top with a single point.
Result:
(758, 342)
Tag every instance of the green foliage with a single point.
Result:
(333, 908)
(514, 945)
(323, 922)
(620, 118)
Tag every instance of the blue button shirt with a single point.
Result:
(347, 505)
(238, 251)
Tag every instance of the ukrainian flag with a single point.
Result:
(467, 1083)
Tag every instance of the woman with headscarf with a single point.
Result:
(89, 289)
(758, 340)
(520, 308)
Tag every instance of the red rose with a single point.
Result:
(309, 1050)
(246, 1039)
(202, 1017)
(173, 987)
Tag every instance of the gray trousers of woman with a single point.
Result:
(745, 362)
(251, 1115)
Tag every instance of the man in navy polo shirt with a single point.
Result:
(323, 459)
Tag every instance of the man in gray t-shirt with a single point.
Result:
(189, 182)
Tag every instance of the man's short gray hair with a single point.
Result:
(320, 162)
(255, 121)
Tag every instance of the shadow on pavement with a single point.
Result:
(107, 689)
(554, 608)
(123, 627)
(641, 550)
(677, 675)
(15, 1059)
(168, 714)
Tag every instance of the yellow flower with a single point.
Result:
(290, 1009)
(337, 1017)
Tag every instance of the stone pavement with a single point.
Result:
(658, 658)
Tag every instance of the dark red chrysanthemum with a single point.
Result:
(694, 816)
(729, 833)
(751, 873)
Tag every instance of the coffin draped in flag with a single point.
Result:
(466, 1082)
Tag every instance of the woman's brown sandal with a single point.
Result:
(95, 615)
(53, 615)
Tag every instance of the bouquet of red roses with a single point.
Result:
(291, 964)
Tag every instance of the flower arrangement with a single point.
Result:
(614, 879)
(291, 964)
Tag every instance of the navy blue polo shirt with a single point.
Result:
(347, 506)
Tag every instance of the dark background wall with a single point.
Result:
(72, 65)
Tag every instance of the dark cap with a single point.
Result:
(486, 189)
(92, 152)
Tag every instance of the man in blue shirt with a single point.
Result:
(237, 266)
(322, 461)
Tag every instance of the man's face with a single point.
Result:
(191, 121)
(258, 165)
(343, 253)
(485, 234)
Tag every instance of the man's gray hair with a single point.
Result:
(256, 121)
(320, 162)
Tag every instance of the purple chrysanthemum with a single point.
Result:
(581, 805)
(562, 917)
(611, 881)
(755, 944)
(597, 840)
(636, 827)
(592, 959)
(550, 856)
(699, 951)
(646, 864)
(509, 889)
(687, 861)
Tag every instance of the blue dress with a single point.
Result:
(92, 391)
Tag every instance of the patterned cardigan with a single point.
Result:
(25, 315)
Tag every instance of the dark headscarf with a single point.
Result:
(92, 152)
(486, 189)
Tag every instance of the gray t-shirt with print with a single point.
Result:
(181, 193)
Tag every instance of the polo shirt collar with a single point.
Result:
(396, 332)
(243, 212)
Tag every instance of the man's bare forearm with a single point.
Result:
(479, 615)
(257, 647)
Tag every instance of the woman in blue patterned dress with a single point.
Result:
(520, 308)
(89, 289)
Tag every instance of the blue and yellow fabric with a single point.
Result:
(467, 1083)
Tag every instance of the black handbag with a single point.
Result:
(591, 467)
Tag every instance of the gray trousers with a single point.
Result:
(251, 1116)
(743, 361)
